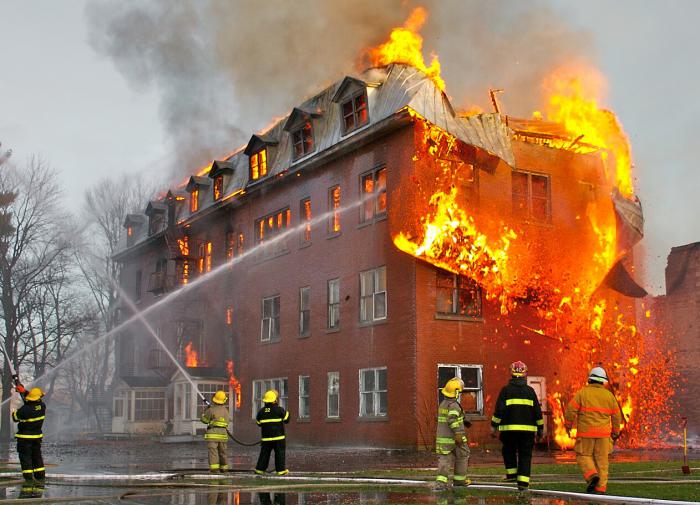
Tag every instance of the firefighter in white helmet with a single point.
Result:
(595, 413)
(451, 438)
(216, 417)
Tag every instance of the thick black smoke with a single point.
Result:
(225, 69)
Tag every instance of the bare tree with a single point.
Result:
(106, 207)
(32, 242)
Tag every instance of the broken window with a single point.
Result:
(333, 304)
(268, 228)
(333, 395)
(218, 189)
(258, 164)
(149, 406)
(194, 200)
(457, 295)
(373, 295)
(259, 388)
(305, 213)
(531, 196)
(304, 397)
(303, 140)
(355, 112)
(472, 398)
(334, 209)
(304, 311)
(373, 392)
(270, 324)
(373, 193)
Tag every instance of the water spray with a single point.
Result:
(13, 372)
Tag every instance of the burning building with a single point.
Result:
(366, 248)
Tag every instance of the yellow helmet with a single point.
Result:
(219, 398)
(34, 394)
(453, 387)
(270, 396)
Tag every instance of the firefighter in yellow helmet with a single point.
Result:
(271, 419)
(216, 417)
(451, 438)
(30, 419)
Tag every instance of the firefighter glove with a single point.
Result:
(494, 433)
(460, 439)
(615, 436)
(467, 424)
(20, 389)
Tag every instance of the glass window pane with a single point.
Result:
(368, 380)
(445, 373)
(539, 209)
(381, 379)
(380, 279)
(368, 399)
(470, 376)
(382, 407)
(539, 186)
(379, 302)
(443, 301)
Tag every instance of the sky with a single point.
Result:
(71, 101)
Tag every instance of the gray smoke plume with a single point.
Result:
(225, 69)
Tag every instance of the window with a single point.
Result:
(149, 406)
(270, 226)
(304, 397)
(334, 209)
(531, 196)
(208, 390)
(304, 312)
(137, 287)
(239, 246)
(118, 406)
(373, 388)
(270, 324)
(155, 223)
(259, 388)
(194, 200)
(204, 257)
(355, 112)
(207, 257)
(333, 395)
(373, 295)
(305, 213)
(229, 316)
(230, 245)
(373, 191)
(258, 164)
(218, 187)
(303, 140)
(472, 399)
(333, 304)
(457, 295)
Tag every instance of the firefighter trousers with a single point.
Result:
(457, 460)
(266, 448)
(592, 458)
(217, 456)
(517, 455)
(29, 452)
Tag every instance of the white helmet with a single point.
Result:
(597, 374)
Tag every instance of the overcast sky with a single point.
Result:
(65, 101)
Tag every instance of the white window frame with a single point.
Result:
(378, 290)
(479, 391)
(333, 302)
(259, 387)
(304, 397)
(330, 392)
(372, 197)
(376, 393)
(270, 319)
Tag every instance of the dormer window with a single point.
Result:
(194, 200)
(218, 187)
(258, 164)
(303, 140)
(133, 224)
(355, 112)
(301, 130)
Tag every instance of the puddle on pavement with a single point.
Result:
(164, 496)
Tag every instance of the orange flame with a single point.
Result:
(405, 45)
(561, 435)
(234, 382)
(191, 357)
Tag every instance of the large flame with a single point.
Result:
(191, 356)
(234, 382)
(405, 45)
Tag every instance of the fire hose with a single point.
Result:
(206, 402)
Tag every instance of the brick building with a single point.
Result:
(285, 253)
(679, 314)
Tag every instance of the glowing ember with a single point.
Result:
(405, 45)
(191, 357)
(234, 382)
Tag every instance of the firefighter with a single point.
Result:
(451, 438)
(271, 419)
(517, 418)
(595, 413)
(30, 419)
(216, 417)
